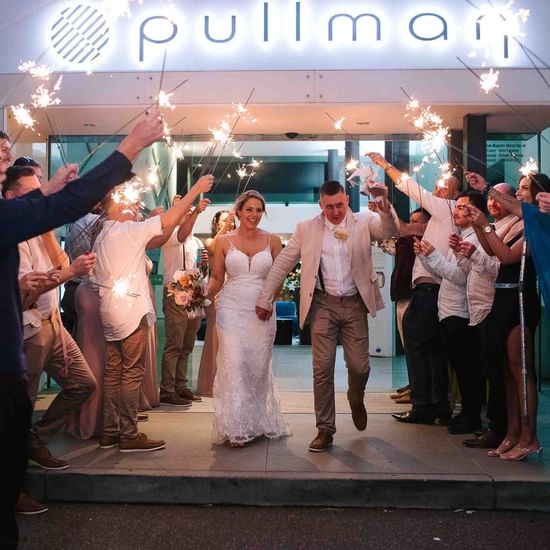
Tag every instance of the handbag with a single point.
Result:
(32, 323)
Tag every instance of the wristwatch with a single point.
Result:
(488, 228)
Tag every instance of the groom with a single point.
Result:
(338, 288)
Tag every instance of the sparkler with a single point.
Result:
(118, 8)
(42, 72)
(129, 194)
(43, 98)
(164, 100)
(530, 167)
(23, 116)
(339, 122)
(489, 81)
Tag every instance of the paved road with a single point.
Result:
(164, 527)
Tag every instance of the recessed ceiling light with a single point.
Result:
(89, 125)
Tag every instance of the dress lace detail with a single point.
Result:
(246, 401)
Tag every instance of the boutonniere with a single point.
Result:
(341, 234)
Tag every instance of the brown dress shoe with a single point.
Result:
(487, 440)
(186, 393)
(359, 416)
(321, 443)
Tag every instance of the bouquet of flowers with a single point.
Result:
(189, 291)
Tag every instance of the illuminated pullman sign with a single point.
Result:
(423, 27)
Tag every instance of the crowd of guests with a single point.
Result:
(462, 270)
(466, 277)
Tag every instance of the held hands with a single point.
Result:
(477, 216)
(467, 249)
(204, 184)
(229, 221)
(31, 281)
(377, 159)
(544, 202)
(61, 178)
(201, 207)
(149, 129)
(454, 242)
(381, 202)
(83, 264)
(423, 248)
(476, 181)
(263, 314)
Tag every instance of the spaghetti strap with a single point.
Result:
(268, 245)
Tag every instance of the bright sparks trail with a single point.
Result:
(489, 81)
(43, 98)
(530, 167)
(42, 72)
(23, 116)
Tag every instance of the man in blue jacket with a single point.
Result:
(57, 202)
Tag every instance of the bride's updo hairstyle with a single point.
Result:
(244, 197)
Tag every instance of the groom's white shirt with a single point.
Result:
(335, 262)
(307, 244)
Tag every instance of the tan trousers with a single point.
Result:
(122, 381)
(44, 352)
(181, 333)
(330, 317)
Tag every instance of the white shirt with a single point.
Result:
(336, 262)
(33, 257)
(179, 255)
(482, 273)
(439, 227)
(451, 301)
(120, 249)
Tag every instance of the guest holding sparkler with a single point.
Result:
(503, 330)
(426, 356)
(465, 299)
(127, 310)
(55, 203)
(222, 222)
(180, 252)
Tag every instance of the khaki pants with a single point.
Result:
(44, 352)
(330, 317)
(122, 381)
(181, 333)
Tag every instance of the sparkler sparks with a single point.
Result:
(23, 116)
(530, 167)
(338, 124)
(241, 111)
(36, 71)
(221, 134)
(164, 100)
(352, 165)
(129, 194)
(434, 134)
(43, 98)
(489, 81)
(177, 151)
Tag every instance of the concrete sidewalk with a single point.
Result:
(389, 465)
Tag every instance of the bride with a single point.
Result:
(246, 402)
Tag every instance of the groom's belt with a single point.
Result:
(332, 296)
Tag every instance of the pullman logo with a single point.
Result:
(80, 34)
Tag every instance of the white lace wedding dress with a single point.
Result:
(246, 401)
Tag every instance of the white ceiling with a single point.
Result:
(373, 102)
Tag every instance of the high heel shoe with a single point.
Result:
(523, 454)
(504, 447)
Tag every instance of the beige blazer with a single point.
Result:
(305, 244)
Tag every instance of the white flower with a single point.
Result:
(341, 234)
